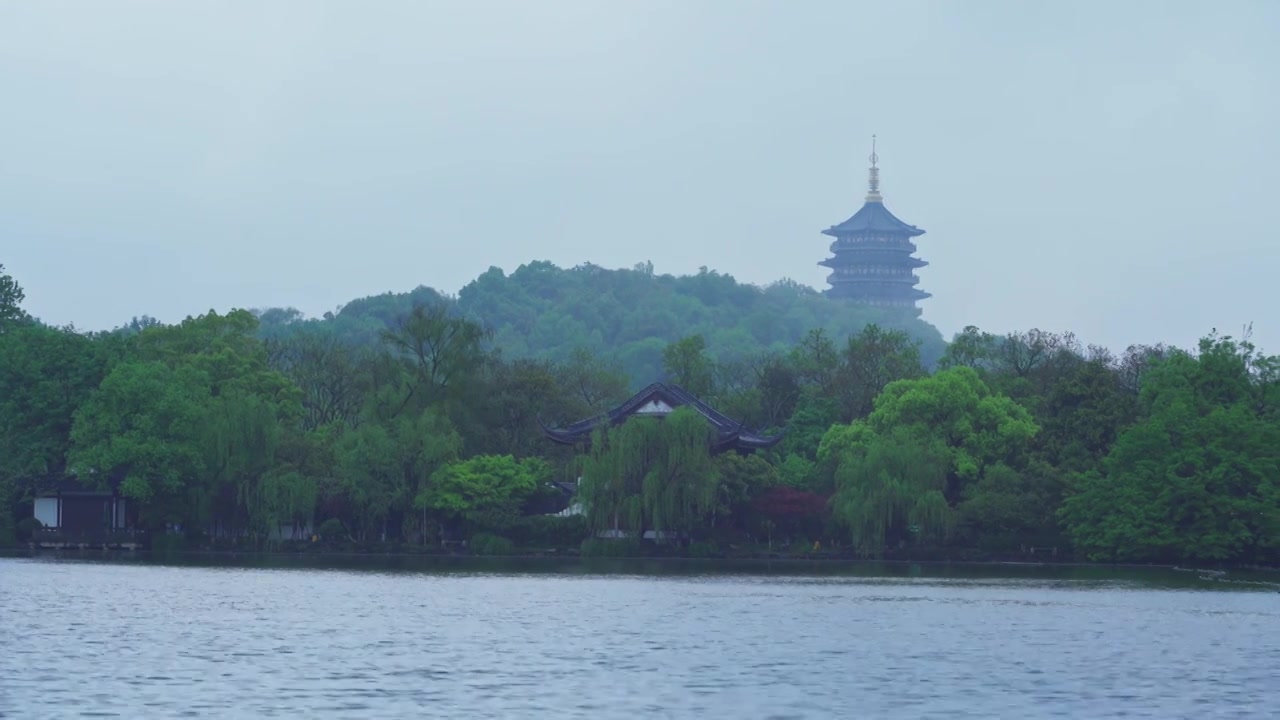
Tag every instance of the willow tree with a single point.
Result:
(650, 474)
(914, 457)
(892, 488)
(242, 434)
(243, 438)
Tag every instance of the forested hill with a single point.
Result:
(547, 312)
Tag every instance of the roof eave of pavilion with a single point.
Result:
(730, 432)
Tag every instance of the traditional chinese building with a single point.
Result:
(658, 400)
(72, 514)
(873, 254)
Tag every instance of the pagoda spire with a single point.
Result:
(873, 179)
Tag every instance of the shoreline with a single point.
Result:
(827, 561)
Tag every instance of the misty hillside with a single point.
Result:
(544, 311)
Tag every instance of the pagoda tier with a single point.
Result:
(872, 256)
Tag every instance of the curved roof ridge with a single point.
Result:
(729, 431)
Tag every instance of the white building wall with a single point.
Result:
(46, 511)
(289, 532)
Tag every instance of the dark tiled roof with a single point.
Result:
(731, 434)
(874, 217)
(50, 485)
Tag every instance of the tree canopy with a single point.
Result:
(416, 420)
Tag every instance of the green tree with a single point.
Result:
(487, 490)
(145, 424)
(438, 348)
(872, 359)
(226, 351)
(11, 297)
(817, 363)
(1196, 479)
(741, 478)
(970, 348)
(1007, 510)
(892, 488)
(686, 363)
(241, 435)
(926, 442)
(332, 377)
(1082, 414)
(594, 382)
(370, 478)
(384, 466)
(45, 375)
(650, 474)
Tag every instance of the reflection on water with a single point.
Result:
(267, 637)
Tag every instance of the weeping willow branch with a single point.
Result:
(650, 474)
(893, 488)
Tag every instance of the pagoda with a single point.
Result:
(873, 260)
(657, 401)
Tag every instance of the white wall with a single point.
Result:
(286, 532)
(46, 511)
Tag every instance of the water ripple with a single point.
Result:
(107, 640)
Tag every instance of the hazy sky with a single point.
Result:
(1110, 168)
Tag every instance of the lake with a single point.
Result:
(368, 637)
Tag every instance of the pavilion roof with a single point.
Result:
(657, 400)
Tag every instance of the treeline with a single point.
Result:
(418, 429)
(544, 312)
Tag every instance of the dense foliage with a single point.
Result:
(544, 312)
(414, 422)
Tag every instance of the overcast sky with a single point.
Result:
(1102, 167)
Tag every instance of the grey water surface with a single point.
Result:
(573, 640)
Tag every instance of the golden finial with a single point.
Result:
(874, 194)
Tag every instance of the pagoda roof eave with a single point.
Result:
(873, 217)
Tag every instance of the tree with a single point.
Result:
(779, 389)
(970, 348)
(816, 362)
(892, 488)
(332, 376)
(486, 489)
(11, 297)
(516, 394)
(910, 461)
(741, 478)
(242, 439)
(45, 375)
(1007, 509)
(384, 466)
(593, 381)
(145, 425)
(650, 474)
(226, 352)
(1082, 414)
(439, 348)
(370, 477)
(977, 427)
(872, 359)
(686, 363)
(1196, 479)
